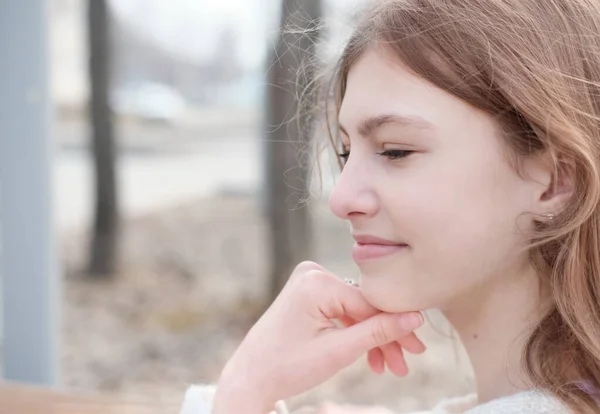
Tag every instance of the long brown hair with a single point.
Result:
(535, 66)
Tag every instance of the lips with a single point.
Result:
(369, 247)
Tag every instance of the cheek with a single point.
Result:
(460, 220)
(461, 216)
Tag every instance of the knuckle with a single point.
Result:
(306, 266)
(379, 332)
(303, 268)
(314, 277)
(313, 285)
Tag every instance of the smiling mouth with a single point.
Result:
(362, 252)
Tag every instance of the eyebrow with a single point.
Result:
(370, 125)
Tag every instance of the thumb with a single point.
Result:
(376, 331)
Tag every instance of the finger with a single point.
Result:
(390, 354)
(412, 344)
(350, 343)
(300, 271)
(376, 361)
(335, 299)
(375, 357)
(306, 266)
(394, 358)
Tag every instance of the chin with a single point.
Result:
(391, 297)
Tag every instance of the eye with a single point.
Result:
(344, 155)
(394, 154)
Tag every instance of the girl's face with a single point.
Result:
(427, 173)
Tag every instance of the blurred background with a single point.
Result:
(179, 200)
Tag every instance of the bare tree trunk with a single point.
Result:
(103, 249)
(287, 175)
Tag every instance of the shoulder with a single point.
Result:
(526, 402)
(456, 405)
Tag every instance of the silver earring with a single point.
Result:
(549, 216)
(351, 282)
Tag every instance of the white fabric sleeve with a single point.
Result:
(198, 399)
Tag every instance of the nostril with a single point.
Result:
(356, 213)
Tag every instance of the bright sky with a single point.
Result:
(192, 27)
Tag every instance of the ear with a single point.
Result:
(556, 179)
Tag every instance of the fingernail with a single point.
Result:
(410, 321)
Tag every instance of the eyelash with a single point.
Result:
(389, 154)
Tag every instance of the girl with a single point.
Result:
(469, 132)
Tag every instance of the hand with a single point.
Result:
(296, 345)
(390, 354)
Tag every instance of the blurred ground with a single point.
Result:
(158, 164)
(193, 276)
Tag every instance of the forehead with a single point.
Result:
(380, 84)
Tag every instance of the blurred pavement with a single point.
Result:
(155, 177)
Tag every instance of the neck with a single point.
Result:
(494, 329)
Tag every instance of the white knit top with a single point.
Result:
(198, 400)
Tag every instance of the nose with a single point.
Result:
(353, 195)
